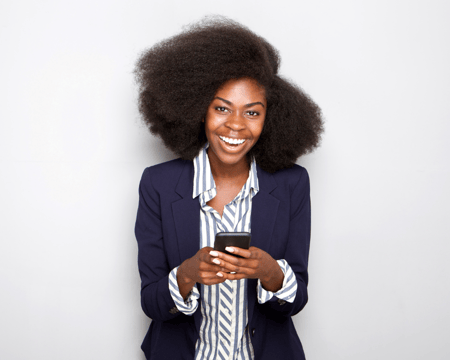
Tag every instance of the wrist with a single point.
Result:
(182, 276)
(273, 281)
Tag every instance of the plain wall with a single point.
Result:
(72, 150)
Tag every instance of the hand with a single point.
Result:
(199, 268)
(254, 264)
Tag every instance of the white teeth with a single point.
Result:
(232, 141)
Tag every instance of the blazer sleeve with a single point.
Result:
(297, 249)
(154, 269)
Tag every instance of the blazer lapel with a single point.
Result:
(186, 215)
(264, 213)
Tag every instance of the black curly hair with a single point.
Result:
(179, 77)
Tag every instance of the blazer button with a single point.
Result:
(253, 332)
(281, 302)
(174, 310)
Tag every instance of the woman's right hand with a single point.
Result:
(199, 268)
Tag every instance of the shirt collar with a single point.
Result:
(204, 181)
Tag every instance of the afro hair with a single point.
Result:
(179, 77)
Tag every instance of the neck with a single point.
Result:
(221, 171)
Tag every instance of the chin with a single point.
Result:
(227, 158)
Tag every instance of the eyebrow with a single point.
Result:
(246, 105)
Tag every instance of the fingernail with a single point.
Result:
(229, 249)
(213, 253)
(216, 261)
(219, 274)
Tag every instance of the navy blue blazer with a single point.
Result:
(168, 232)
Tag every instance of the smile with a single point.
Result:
(232, 141)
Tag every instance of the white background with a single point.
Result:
(72, 150)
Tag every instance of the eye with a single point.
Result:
(252, 113)
(221, 109)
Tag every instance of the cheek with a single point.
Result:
(257, 129)
(207, 123)
(212, 123)
(209, 129)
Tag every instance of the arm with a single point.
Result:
(297, 249)
(154, 269)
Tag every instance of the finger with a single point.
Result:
(229, 267)
(224, 266)
(239, 251)
(247, 268)
(226, 258)
(232, 276)
(207, 278)
(215, 280)
(204, 266)
(216, 274)
(235, 276)
(207, 256)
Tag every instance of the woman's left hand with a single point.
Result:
(254, 264)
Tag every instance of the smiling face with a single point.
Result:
(234, 122)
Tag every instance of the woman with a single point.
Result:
(213, 95)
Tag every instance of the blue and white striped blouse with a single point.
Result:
(224, 333)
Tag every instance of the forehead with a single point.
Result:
(242, 90)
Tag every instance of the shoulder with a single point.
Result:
(164, 169)
(166, 174)
(293, 173)
(287, 178)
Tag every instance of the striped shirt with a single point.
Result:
(224, 333)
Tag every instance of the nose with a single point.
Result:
(236, 121)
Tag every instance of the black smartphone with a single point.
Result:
(237, 239)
